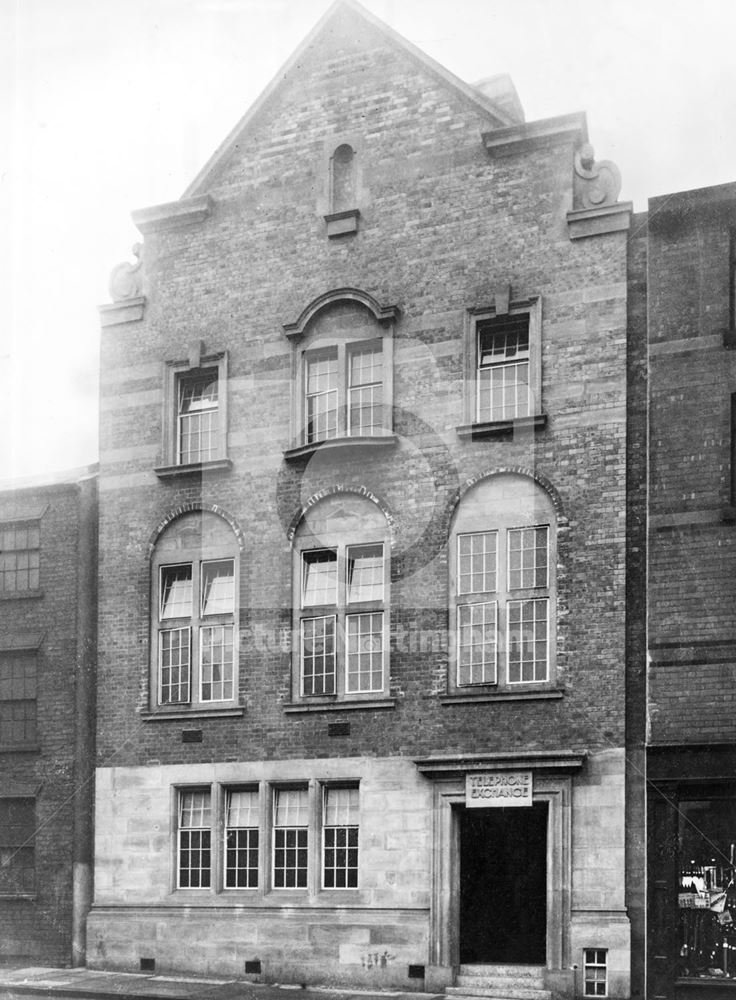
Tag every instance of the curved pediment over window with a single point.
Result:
(385, 315)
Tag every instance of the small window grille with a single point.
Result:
(596, 972)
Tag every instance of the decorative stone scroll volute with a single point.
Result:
(596, 184)
(126, 280)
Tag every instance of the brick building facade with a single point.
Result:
(691, 764)
(47, 645)
(363, 543)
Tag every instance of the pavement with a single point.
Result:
(88, 984)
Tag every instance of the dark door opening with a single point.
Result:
(503, 885)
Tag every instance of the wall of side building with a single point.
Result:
(691, 625)
(46, 646)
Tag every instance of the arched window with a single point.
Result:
(340, 600)
(343, 186)
(194, 612)
(503, 585)
(343, 362)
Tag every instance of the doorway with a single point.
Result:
(503, 885)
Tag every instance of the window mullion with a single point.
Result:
(341, 659)
(196, 640)
(343, 391)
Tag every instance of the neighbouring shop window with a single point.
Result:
(707, 889)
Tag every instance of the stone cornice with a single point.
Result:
(599, 221)
(125, 311)
(520, 138)
(173, 214)
(453, 764)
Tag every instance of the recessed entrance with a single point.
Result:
(503, 885)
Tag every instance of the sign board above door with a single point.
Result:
(498, 790)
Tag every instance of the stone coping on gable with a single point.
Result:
(173, 214)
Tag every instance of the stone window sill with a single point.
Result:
(368, 442)
(500, 428)
(20, 747)
(342, 223)
(20, 595)
(472, 698)
(6, 896)
(294, 708)
(197, 469)
(187, 714)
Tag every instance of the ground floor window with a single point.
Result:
(223, 835)
(706, 899)
(17, 853)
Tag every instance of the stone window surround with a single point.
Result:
(503, 305)
(465, 521)
(197, 360)
(340, 541)
(385, 318)
(552, 783)
(194, 708)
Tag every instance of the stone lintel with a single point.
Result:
(599, 221)
(126, 311)
(521, 138)
(173, 214)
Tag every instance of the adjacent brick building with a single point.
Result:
(363, 549)
(691, 278)
(47, 645)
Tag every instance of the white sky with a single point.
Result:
(111, 105)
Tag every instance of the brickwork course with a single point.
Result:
(459, 206)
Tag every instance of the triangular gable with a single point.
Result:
(498, 116)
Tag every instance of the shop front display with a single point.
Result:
(706, 898)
